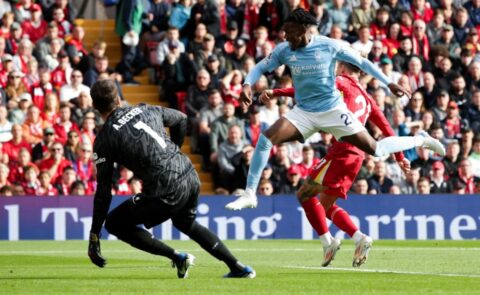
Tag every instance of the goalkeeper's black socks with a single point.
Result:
(213, 245)
(143, 240)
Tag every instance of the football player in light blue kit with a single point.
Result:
(319, 104)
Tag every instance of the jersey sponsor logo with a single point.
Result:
(100, 161)
(126, 118)
(311, 69)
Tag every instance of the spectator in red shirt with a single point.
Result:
(422, 10)
(123, 187)
(65, 124)
(41, 89)
(7, 67)
(56, 163)
(452, 122)
(13, 42)
(379, 26)
(45, 188)
(51, 108)
(12, 148)
(75, 48)
(66, 180)
(84, 165)
(87, 133)
(34, 125)
(35, 28)
(17, 167)
(61, 75)
(254, 47)
(7, 21)
(308, 161)
(465, 176)
(254, 127)
(64, 26)
(31, 183)
(406, 21)
(421, 45)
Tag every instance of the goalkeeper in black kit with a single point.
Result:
(135, 137)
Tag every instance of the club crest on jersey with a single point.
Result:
(292, 58)
(318, 55)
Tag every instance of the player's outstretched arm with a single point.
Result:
(348, 54)
(103, 197)
(268, 64)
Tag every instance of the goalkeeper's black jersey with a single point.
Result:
(135, 137)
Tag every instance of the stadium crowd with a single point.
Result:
(200, 53)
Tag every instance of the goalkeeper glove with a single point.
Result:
(94, 251)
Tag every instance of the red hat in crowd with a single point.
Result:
(453, 105)
(35, 7)
(438, 165)
(294, 170)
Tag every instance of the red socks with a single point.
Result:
(316, 215)
(341, 219)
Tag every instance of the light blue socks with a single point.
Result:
(259, 161)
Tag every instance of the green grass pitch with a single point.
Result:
(283, 267)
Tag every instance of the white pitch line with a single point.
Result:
(378, 248)
(385, 271)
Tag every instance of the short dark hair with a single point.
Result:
(104, 94)
(78, 183)
(351, 67)
(301, 16)
(213, 91)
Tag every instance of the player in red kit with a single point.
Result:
(333, 176)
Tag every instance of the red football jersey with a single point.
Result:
(357, 100)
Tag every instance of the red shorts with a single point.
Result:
(337, 171)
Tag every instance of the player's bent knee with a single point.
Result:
(185, 226)
(112, 226)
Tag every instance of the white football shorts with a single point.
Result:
(338, 121)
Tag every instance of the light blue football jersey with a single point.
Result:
(313, 71)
